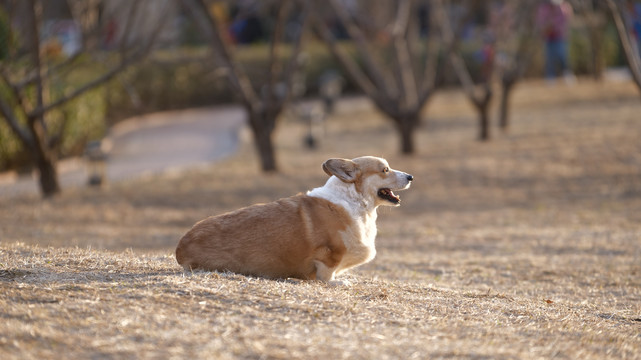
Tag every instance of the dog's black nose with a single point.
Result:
(410, 177)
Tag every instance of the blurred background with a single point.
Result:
(73, 70)
(123, 123)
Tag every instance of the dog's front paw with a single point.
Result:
(339, 283)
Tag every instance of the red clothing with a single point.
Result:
(553, 20)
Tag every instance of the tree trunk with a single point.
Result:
(45, 160)
(406, 125)
(43, 154)
(504, 111)
(262, 129)
(48, 177)
(265, 149)
(484, 121)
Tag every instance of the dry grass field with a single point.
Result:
(526, 247)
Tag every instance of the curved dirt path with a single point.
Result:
(150, 144)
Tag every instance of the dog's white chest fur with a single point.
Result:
(359, 242)
(359, 239)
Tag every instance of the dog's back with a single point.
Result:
(278, 240)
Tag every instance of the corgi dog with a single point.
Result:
(313, 236)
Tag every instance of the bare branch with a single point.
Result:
(34, 10)
(634, 62)
(31, 77)
(369, 58)
(131, 17)
(524, 51)
(274, 59)
(66, 63)
(40, 110)
(15, 91)
(433, 45)
(402, 18)
(151, 42)
(350, 66)
(293, 65)
(209, 24)
(455, 57)
(124, 64)
(404, 68)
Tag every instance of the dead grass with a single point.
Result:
(524, 247)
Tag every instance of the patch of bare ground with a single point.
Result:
(524, 247)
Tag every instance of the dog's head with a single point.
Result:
(372, 177)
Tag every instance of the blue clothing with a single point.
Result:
(556, 58)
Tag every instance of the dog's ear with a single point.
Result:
(346, 170)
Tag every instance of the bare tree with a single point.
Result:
(26, 75)
(507, 50)
(515, 44)
(263, 107)
(630, 49)
(479, 93)
(399, 84)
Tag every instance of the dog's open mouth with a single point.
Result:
(388, 194)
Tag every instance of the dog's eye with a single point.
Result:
(386, 170)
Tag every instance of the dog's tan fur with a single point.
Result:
(312, 236)
(278, 240)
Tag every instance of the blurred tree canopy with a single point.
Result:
(39, 74)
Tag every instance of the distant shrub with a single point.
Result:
(169, 82)
(78, 122)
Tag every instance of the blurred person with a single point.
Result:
(552, 20)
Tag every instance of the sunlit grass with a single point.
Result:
(524, 247)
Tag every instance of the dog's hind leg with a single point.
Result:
(323, 272)
(326, 274)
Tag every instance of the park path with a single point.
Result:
(164, 141)
(150, 144)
